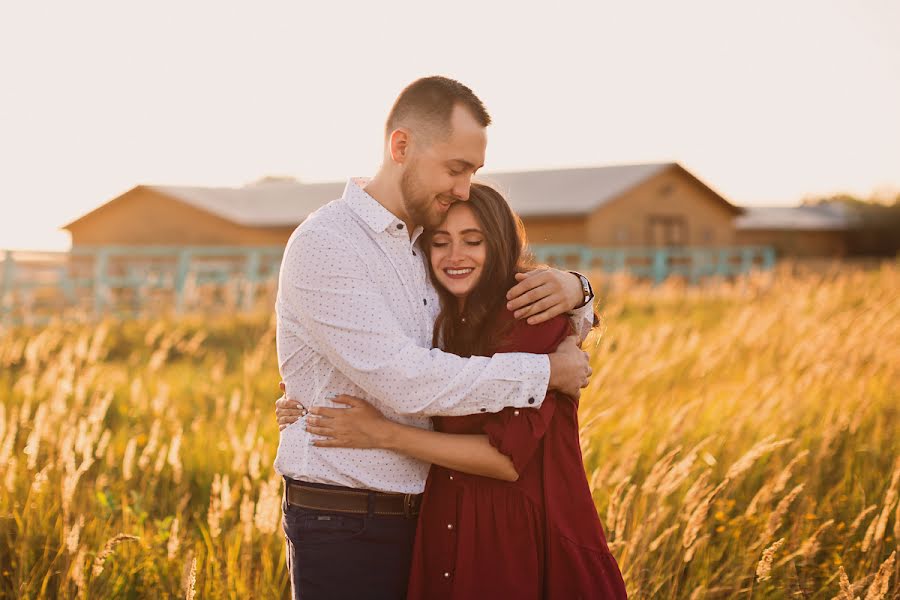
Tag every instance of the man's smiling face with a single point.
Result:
(439, 173)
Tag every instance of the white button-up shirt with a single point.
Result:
(355, 312)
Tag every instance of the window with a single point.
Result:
(666, 230)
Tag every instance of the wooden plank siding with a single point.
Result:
(144, 217)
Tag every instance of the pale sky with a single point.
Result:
(767, 101)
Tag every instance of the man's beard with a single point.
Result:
(416, 202)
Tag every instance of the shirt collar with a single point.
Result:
(372, 212)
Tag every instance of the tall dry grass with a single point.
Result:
(741, 440)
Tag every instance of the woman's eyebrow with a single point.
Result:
(463, 232)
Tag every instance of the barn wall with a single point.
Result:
(672, 193)
(832, 244)
(145, 217)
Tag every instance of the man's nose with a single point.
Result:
(461, 188)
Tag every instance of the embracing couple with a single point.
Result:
(429, 439)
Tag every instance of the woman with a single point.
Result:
(507, 511)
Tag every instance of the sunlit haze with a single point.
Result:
(766, 101)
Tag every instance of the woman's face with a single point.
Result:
(458, 251)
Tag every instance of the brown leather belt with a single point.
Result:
(353, 501)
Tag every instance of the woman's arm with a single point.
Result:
(362, 426)
(469, 453)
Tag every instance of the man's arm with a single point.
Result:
(346, 319)
(542, 294)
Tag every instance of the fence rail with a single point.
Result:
(110, 277)
(659, 263)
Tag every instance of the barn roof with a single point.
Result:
(797, 218)
(278, 202)
(262, 204)
(569, 192)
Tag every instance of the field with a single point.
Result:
(742, 440)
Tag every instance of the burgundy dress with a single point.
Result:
(537, 537)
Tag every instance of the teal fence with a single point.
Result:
(657, 264)
(130, 278)
(133, 277)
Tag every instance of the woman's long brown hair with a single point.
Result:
(507, 254)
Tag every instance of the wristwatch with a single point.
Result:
(585, 288)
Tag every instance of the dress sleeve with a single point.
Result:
(517, 432)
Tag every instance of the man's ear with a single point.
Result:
(399, 145)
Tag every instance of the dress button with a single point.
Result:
(516, 412)
(449, 525)
(446, 574)
(531, 401)
(451, 478)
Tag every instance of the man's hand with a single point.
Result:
(543, 294)
(570, 368)
(287, 411)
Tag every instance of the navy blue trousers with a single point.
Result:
(335, 556)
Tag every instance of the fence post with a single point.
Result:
(768, 258)
(660, 266)
(181, 271)
(619, 261)
(723, 257)
(251, 277)
(746, 260)
(587, 259)
(7, 284)
(101, 262)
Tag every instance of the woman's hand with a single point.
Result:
(287, 411)
(360, 425)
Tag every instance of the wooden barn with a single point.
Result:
(260, 214)
(627, 206)
(658, 205)
(800, 231)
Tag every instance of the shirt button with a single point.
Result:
(531, 401)
(414, 253)
(399, 225)
(425, 301)
(483, 409)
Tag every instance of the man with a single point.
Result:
(355, 315)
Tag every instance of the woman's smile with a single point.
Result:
(459, 273)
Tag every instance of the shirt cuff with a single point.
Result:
(534, 377)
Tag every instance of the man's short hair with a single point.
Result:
(427, 104)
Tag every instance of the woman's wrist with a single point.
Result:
(387, 434)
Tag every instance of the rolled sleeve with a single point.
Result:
(517, 433)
